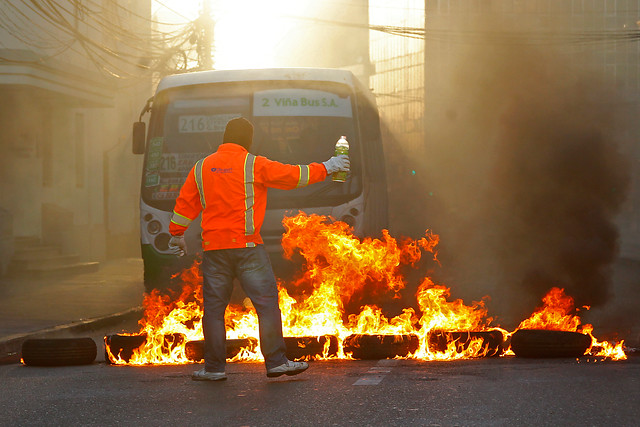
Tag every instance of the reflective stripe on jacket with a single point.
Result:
(230, 188)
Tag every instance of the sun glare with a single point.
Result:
(246, 33)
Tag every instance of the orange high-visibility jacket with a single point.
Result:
(229, 187)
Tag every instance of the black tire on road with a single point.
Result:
(543, 343)
(122, 346)
(492, 341)
(301, 347)
(59, 351)
(373, 347)
(194, 350)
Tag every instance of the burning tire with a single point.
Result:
(194, 350)
(122, 346)
(300, 347)
(492, 341)
(59, 351)
(546, 343)
(373, 347)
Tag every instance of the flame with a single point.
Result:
(170, 321)
(338, 265)
(339, 269)
(557, 314)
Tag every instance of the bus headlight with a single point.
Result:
(162, 241)
(351, 221)
(154, 227)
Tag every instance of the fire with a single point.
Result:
(338, 269)
(557, 313)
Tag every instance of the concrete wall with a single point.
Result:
(21, 142)
(67, 173)
(121, 172)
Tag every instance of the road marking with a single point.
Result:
(377, 373)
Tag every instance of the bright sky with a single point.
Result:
(247, 32)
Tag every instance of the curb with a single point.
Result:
(11, 346)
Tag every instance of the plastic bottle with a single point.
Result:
(342, 147)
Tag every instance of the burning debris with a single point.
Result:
(557, 315)
(339, 267)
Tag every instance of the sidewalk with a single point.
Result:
(32, 306)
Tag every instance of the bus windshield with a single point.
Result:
(296, 123)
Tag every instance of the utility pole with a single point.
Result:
(425, 71)
(205, 42)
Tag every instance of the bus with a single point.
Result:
(298, 115)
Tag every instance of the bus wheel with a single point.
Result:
(59, 351)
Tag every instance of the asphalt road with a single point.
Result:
(495, 392)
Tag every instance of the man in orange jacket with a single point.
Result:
(229, 187)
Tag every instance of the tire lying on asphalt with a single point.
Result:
(492, 341)
(300, 347)
(546, 343)
(194, 350)
(373, 347)
(59, 351)
(123, 346)
(120, 345)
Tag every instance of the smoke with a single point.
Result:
(522, 159)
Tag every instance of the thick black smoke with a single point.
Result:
(558, 182)
(523, 164)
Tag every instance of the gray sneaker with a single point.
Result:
(203, 375)
(289, 368)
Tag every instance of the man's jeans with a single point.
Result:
(252, 268)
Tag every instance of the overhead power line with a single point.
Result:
(173, 11)
(489, 36)
(123, 47)
(124, 43)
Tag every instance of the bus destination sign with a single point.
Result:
(300, 102)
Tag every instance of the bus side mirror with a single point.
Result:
(139, 136)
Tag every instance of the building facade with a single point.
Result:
(71, 89)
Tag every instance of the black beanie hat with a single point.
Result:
(239, 131)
